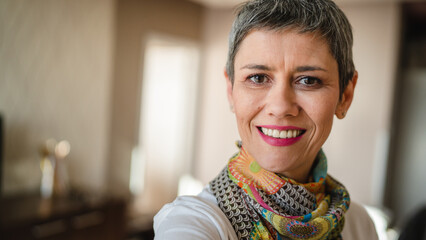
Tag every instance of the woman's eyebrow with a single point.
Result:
(309, 68)
(298, 69)
(257, 67)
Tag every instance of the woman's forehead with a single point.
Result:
(265, 45)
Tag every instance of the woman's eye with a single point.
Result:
(258, 78)
(309, 81)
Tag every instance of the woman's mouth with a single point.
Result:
(275, 133)
(280, 135)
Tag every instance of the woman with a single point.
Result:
(289, 71)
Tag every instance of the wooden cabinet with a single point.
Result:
(70, 218)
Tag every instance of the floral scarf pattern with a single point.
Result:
(263, 205)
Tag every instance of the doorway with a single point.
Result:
(167, 120)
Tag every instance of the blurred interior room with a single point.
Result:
(111, 108)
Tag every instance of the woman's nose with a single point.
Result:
(281, 101)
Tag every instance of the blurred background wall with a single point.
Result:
(56, 65)
(72, 70)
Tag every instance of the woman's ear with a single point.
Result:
(229, 91)
(347, 97)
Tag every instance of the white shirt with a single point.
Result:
(199, 217)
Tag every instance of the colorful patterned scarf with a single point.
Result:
(262, 205)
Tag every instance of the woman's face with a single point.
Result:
(284, 96)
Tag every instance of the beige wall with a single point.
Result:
(55, 80)
(357, 146)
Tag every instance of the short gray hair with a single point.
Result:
(316, 16)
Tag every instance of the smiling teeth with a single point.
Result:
(281, 134)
